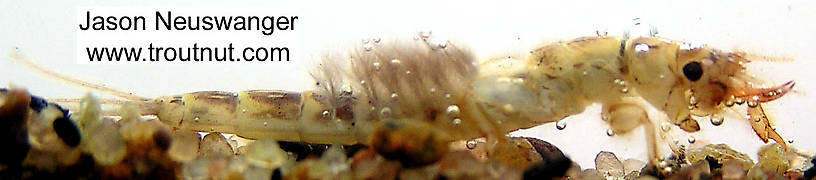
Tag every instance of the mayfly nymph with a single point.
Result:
(409, 99)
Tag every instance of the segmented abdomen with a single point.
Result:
(260, 114)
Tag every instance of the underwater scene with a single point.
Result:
(407, 90)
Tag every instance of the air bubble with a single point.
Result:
(729, 103)
(692, 101)
(326, 113)
(407, 72)
(457, 121)
(624, 90)
(752, 104)
(790, 141)
(394, 95)
(691, 139)
(636, 21)
(770, 93)
(508, 108)
(452, 110)
(376, 65)
(376, 40)
(663, 164)
(448, 96)
(665, 126)
(368, 46)
(642, 47)
(717, 119)
(739, 101)
(432, 90)
(363, 82)
(386, 112)
(601, 32)
(561, 125)
(395, 62)
(471, 144)
(440, 42)
(196, 118)
(610, 132)
(424, 34)
(676, 141)
(685, 46)
(265, 124)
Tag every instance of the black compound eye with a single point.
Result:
(67, 131)
(163, 139)
(693, 71)
(38, 104)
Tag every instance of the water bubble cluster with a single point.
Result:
(753, 102)
(624, 89)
